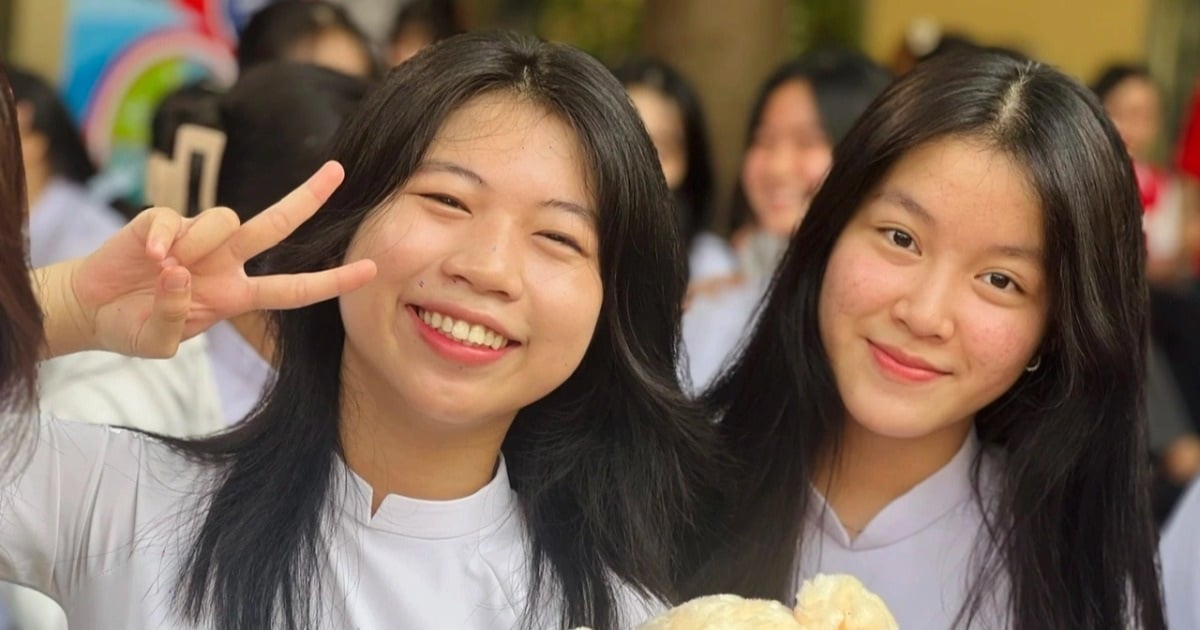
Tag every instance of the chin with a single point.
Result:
(896, 422)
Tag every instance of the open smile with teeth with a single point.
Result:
(463, 332)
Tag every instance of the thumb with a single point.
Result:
(160, 337)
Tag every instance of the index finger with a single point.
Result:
(274, 224)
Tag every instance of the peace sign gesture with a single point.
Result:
(164, 278)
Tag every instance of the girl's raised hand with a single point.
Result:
(164, 278)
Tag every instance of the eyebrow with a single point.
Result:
(905, 201)
(908, 203)
(442, 166)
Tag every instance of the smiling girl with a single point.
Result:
(943, 395)
(488, 434)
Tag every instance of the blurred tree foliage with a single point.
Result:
(821, 23)
(609, 29)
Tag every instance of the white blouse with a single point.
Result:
(918, 553)
(240, 373)
(1180, 553)
(101, 518)
(714, 328)
(65, 222)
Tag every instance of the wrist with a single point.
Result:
(67, 326)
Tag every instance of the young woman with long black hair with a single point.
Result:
(943, 394)
(488, 434)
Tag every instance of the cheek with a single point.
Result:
(857, 283)
(817, 164)
(752, 169)
(396, 239)
(567, 309)
(1000, 345)
(674, 169)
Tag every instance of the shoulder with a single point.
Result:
(109, 457)
(175, 396)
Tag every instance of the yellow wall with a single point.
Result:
(38, 35)
(1079, 36)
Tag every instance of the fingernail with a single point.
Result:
(169, 262)
(177, 282)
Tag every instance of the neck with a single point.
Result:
(36, 179)
(252, 326)
(873, 470)
(397, 451)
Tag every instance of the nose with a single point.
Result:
(926, 307)
(489, 258)
(781, 161)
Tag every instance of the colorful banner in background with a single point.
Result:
(123, 56)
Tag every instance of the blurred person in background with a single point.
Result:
(671, 111)
(420, 23)
(64, 220)
(1133, 103)
(313, 32)
(803, 110)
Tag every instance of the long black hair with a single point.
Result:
(66, 152)
(1071, 531)
(843, 83)
(605, 467)
(21, 331)
(696, 190)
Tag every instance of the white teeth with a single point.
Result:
(476, 335)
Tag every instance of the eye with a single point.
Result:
(562, 239)
(445, 200)
(1000, 281)
(900, 238)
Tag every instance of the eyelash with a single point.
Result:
(1012, 284)
(451, 202)
(446, 200)
(562, 239)
(891, 233)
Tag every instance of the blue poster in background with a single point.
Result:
(123, 56)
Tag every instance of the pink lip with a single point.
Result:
(894, 362)
(453, 350)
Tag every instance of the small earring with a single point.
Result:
(1033, 367)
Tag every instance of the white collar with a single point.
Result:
(913, 511)
(489, 506)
